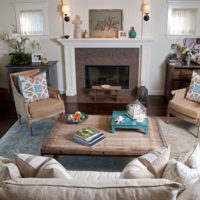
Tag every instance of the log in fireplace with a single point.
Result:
(107, 74)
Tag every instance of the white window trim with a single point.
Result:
(33, 6)
(184, 4)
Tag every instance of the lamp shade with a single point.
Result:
(65, 9)
(146, 8)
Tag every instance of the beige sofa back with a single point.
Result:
(123, 189)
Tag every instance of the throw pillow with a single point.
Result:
(9, 171)
(194, 159)
(34, 88)
(193, 92)
(177, 171)
(29, 164)
(53, 169)
(150, 165)
(191, 192)
(135, 169)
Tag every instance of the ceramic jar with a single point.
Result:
(132, 33)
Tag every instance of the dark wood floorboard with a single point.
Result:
(156, 106)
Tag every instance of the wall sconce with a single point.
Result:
(65, 10)
(146, 9)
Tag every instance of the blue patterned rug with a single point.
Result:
(179, 134)
(18, 139)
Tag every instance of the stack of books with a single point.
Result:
(88, 136)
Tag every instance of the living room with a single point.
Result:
(99, 98)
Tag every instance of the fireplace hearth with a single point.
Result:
(107, 74)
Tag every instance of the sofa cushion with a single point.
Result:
(94, 175)
(185, 107)
(150, 165)
(193, 92)
(45, 107)
(118, 189)
(177, 171)
(33, 88)
(194, 160)
(52, 169)
(29, 164)
(191, 192)
(9, 171)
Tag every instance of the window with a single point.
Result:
(183, 18)
(32, 18)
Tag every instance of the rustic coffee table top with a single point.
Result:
(122, 143)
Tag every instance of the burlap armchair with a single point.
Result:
(184, 109)
(38, 110)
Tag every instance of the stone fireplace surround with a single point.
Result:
(107, 56)
(71, 46)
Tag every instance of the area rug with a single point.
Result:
(179, 134)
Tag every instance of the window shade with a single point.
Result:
(32, 22)
(182, 21)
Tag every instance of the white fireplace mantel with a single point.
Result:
(71, 44)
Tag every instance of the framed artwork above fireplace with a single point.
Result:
(105, 23)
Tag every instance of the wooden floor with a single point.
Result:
(156, 106)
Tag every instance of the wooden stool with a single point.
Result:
(111, 88)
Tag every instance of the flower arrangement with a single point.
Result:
(188, 52)
(18, 43)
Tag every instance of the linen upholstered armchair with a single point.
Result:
(36, 110)
(184, 109)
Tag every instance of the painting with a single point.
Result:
(105, 23)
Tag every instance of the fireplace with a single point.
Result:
(107, 74)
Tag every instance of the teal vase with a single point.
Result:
(132, 33)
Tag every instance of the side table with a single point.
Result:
(128, 123)
(111, 88)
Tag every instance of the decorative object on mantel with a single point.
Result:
(132, 33)
(85, 34)
(18, 42)
(45, 60)
(122, 34)
(188, 55)
(146, 10)
(77, 26)
(105, 23)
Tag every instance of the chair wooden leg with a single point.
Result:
(30, 126)
(168, 117)
(19, 118)
(198, 132)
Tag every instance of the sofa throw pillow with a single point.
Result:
(177, 171)
(29, 164)
(150, 165)
(9, 171)
(193, 92)
(33, 88)
(53, 169)
(191, 192)
(194, 160)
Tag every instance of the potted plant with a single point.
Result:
(18, 43)
(188, 54)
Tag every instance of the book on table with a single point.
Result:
(88, 136)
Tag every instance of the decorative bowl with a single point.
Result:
(70, 119)
(105, 86)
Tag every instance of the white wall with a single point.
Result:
(49, 47)
(132, 17)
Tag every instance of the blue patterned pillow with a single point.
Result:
(34, 88)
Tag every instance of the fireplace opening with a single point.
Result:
(107, 74)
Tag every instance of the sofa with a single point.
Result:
(43, 178)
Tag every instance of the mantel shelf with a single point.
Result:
(98, 42)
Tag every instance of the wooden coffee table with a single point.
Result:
(122, 143)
